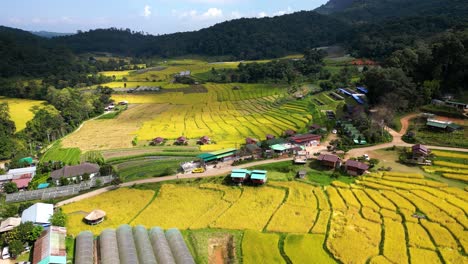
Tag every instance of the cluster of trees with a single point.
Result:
(414, 75)
(275, 71)
(66, 110)
(24, 234)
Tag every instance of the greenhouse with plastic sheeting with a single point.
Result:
(128, 245)
(179, 249)
(84, 248)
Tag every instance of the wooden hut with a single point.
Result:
(95, 217)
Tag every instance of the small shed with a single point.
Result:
(301, 174)
(258, 177)
(239, 175)
(204, 140)
(181, 140)
(95, 217)
(157, 141)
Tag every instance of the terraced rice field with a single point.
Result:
(227, 116)
(450, 165)
(381, 218)
(20, 110)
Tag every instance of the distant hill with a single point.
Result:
(333, 6)
(48, 34)
(26, 54)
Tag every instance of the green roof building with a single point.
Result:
(258, 176)
(218, 155)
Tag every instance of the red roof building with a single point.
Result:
(251, 140)
(354, 167)
(22, 183)
(158, 140)
(270, 136)
(305, 139)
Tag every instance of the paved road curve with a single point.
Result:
(397, 141)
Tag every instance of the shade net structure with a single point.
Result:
(179, 249)
(84, 248)
(161, 248)
(126, 245)
(143, 245)
(109, 249)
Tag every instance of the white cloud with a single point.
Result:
(235, 15)
(147, 11)
(262, 14)
(213, 13)
(283, 12)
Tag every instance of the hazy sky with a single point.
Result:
(153, 16)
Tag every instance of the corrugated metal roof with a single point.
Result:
(238, 175)
(38, 213)
(436, 124)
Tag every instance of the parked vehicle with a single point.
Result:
(198, 170)
(5, 253)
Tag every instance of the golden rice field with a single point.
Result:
(20, 110)
(227, 116)
(397, 219)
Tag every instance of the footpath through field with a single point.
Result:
(397, 141)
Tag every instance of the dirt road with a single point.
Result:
(209, 173)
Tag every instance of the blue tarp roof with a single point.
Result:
(43, 185)
(344, 91)
(362, 89)
(358, 99)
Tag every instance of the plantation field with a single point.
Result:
(371, 220)
(20, 110)
(227, 116)
(69, 156)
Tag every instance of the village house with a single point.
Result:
(50, 246)
(354, 167)
(23, 181)
(205, 140)
(38, 214)
(330, 161)
(269, 137)
(75, 172)
(9, 223)
(181, 141)
(420, 154)
(285, 148)
(254, 150)
(306, 140)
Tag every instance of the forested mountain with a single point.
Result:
(246, 38)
